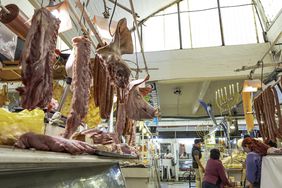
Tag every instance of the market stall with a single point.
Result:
(70, 106)
(26, 168)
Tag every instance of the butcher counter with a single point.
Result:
(27, 168)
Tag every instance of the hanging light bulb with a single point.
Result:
(60, 11)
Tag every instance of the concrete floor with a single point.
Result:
(176, 185)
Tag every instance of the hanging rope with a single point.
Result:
(112, 18)
(139, 36)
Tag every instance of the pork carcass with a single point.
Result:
(36, 58)
(81, 79)
(55, 144)
(136, 106)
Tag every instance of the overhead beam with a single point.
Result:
(259, 64)
(203, 63)
(204, 89)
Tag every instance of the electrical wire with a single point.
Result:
(112, 18)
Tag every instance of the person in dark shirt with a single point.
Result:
(215, 176)
(197, 155)
(255, 150)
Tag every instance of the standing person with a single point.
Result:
(256, 150)
(215, 176)
(168, 154)
(197, 165)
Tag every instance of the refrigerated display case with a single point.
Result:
(30, 169)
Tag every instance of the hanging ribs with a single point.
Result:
(81, 84)
(38, 53)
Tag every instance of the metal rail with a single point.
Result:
(259, 63)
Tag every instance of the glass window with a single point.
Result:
(135, 41)
(234, 2)
(238, 25)
(154, 34)
(202, 4)
(185, 30)
(271, 8)
(171, 29)
(259, 30)
(170, 10)
(183, 5)
(205, 28)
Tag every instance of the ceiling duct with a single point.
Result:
(15, 20)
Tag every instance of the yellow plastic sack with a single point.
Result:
(247, 105)
(92, 118)
(13, 125)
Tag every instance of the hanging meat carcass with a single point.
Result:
(122, 44)
(81, 84)
(36, 58)
(110, 71)
(136, 106)
(267, 108)
(103, 89)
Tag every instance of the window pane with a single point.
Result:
(172, 9)
(135, 41)
(234, 2)
(238, 25)
(271, 8)
(171, 30)
(202, 4)
(185, 30)
(153, 34)
(183, 5)
(205, 28)
(259, 30)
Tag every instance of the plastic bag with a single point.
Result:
(8, 42)
(13, 125)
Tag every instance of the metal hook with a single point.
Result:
(251, 74)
